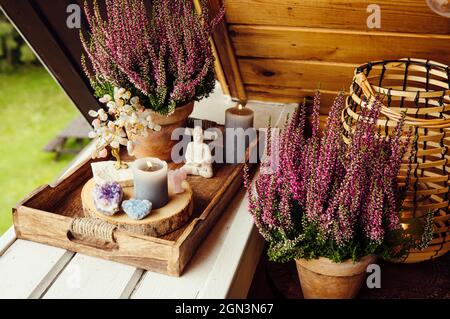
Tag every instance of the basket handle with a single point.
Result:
(363, 82)
(93, 228)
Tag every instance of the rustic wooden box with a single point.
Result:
(47, 214)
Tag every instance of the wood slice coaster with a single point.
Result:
(159, 222)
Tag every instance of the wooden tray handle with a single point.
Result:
(93, 228)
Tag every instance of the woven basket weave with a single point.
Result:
(420, 88)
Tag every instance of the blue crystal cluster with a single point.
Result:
(137, 209)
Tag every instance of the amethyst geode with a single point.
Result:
(107, 197)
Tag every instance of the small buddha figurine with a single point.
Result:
(198, 156)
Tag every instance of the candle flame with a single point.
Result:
(240, 107)
(404, 226)
(149, 164)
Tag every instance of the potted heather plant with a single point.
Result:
(161, 56)
(332, 203)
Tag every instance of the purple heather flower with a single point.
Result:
(165, 55)
(347, 191)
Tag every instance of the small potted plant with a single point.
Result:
(161, 56)
(333, 204)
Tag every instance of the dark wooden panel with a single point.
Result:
(55, 17)
(226, 54)
(409, 16)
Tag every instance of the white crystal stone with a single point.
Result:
(106, 172)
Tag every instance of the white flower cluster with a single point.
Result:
(124, 119)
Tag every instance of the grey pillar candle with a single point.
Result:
(237, 117)
(150, 181)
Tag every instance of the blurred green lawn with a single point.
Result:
(33, 109)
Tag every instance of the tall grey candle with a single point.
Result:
(236, 140)
(150, 181)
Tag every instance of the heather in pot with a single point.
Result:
(323, 197)
(162, 55)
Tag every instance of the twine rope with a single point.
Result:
(93, 228)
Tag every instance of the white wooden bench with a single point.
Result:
(223, 266)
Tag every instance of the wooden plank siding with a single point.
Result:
(335, 45)
(297, 73)
(285, 48)
(405, 16)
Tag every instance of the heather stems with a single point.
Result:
(328, 159)
(291, 155)
(164, 57)
(328, 198)
(253, 205)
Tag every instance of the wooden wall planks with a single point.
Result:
(336, 45)
(285, 47)
(297, 74)
(409, 16)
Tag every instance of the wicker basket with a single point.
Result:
(421, 89)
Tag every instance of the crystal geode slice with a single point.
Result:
(107, 197)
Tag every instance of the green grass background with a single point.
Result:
(33, 109)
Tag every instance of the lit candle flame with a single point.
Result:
(149, 164)
(240, 107)
(404, 226)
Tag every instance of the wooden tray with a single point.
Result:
(50, 212)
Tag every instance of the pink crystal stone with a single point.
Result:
(176, 178)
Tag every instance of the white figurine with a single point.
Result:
(198, 156)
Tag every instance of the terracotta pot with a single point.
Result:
(159, 144)
(324, 279)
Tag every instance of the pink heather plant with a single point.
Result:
(164, 56)
(332, 199)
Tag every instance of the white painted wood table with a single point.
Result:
(223, 266)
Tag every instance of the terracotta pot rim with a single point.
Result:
(181, 113)
(159, 143)
(326, 266)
